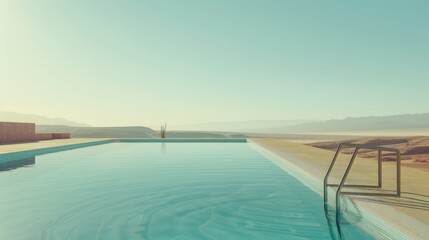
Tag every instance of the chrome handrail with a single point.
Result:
(379, 166)
(342, 184)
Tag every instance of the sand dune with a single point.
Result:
(414, 150)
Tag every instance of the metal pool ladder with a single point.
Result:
(342, 184)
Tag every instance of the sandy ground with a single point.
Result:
(410, 212)
(414, 150)
(380, 133)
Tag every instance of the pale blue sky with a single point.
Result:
(148, 62)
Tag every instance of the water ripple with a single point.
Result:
(134, 191)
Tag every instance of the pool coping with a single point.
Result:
(9, 156)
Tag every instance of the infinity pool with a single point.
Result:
(159, 191)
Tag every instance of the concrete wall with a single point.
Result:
(11, 132)
(60, 135)
(43, 136)
(50, 136)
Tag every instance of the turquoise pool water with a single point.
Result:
(159, 191)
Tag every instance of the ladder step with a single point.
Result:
(354, 186)
(370, 194)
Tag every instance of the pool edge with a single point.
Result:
(9, 156)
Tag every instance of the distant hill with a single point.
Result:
(253, 126)
(38, 119)
(99, 132)
(204, 134)
(129, 132)
(395, 122)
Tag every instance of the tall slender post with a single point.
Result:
(398, 173)
(380, 165)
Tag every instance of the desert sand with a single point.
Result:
(414, 150)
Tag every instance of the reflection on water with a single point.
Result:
(338, 224)
(163, 147)
(14, 164)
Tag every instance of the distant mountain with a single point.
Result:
(38, 119)
(253, 126)
(395, 122)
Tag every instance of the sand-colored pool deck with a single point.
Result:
(409, 212)
(9, 148)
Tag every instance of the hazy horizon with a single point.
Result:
(143, 63)
(416, 124)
